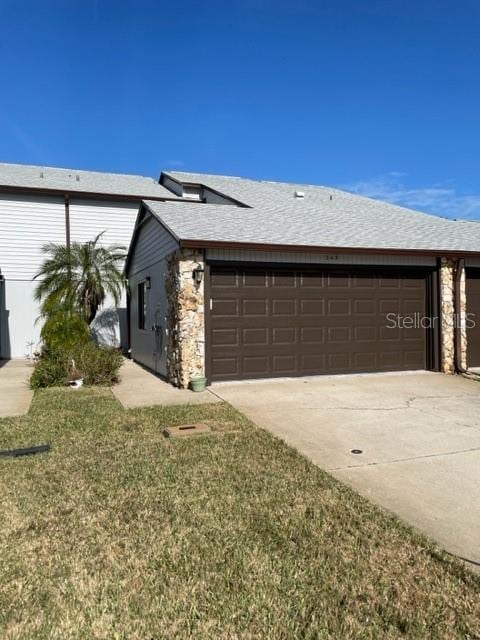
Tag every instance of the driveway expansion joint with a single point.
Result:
(387, 462)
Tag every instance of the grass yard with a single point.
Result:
(120, 533)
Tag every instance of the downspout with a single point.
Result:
(129, 322)
(458, 316)
(2, 300)
(67, 220)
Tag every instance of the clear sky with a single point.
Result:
(378, 97)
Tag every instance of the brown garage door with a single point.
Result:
(277, 322)
(473, 309)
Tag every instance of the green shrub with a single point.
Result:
(51, 370)
(96, 365)
(64, 328)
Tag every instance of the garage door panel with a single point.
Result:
(283, 279)
(256, 365)
(225, 337)
(225, 367)
(312, 363)
(312, 335)
(228, 307)
(367, 307)
(284, 364)
(255, 279)
(224, 278)
(338, 280)
(339, 307)
(271, 322)
(473, 311)
(284, 335)
(313, 307)
(365, 361)
(255, 336)
(339, 334)
(310, 280)
(252, 307)
(286, 307)
(413, 359)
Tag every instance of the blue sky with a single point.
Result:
(377, 97)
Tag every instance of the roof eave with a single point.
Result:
(88, 194)
(253, 246)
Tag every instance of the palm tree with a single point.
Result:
(80, 277)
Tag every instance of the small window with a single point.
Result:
(142, 306)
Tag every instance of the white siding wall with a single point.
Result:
(19, 333)
(89, 218)
(27, 222)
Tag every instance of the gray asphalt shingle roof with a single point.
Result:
(324, 217)
(74, 180)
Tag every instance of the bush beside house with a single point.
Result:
(74, 283)
(94, 364)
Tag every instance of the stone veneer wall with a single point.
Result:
(185, 318)
(447, 308)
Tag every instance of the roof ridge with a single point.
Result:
(95, 171)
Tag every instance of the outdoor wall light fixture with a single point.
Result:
(198, 275)
(148, 283)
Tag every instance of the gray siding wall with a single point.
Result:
(148, 347)
(152, 246)
(175, 187)
(214, 198)
(153, 243)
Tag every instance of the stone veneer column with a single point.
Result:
(447, 268)
(185, 318)
(448, 320)
(463, 319)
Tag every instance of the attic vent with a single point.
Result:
(41, 174)
(299, 194)
(77, 178)
(192, 192)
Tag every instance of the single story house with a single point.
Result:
(251, 279)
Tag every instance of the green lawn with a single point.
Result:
(120, 533)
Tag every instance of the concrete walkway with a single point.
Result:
(419, 436)
(139, 387)
(15, 394)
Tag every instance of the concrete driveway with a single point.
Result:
(15, 393)
(419, 434)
